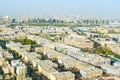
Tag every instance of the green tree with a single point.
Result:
(28, 41)
(99, 50)
(108, 52)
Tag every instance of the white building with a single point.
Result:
(111, 70)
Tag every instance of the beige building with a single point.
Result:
(21, 70)
(8, 69)
(39, 49)
(102, 30)
(3, 61)
(23, 78)
(78, 41)
(70, 63)
(119, 38)
(113, 46)
(63, 76)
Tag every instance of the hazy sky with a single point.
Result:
(88, 8)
